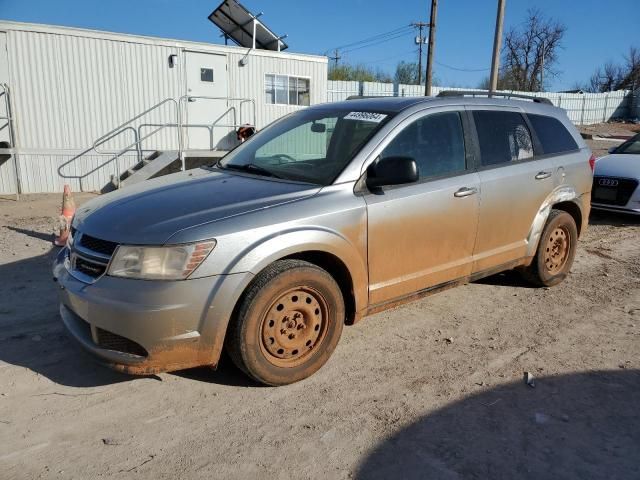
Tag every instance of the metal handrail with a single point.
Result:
(5, 92)
(175, 125)
(107, 138)
(114, 132)
(115, 156)
(191, 98)
(139, 138)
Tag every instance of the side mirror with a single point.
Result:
(391, 171)
(612, 149)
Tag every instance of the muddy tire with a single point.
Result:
(556, 251)
(287, 324)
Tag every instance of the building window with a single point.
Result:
(206, 75)
(286, 90)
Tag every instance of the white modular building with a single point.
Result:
(91, 108)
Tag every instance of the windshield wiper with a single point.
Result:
(252, 168)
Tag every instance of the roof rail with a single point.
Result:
(361, 97)
(462, 93)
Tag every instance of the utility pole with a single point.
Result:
(542, 69)
(497, 44)
(336, 56)
(432, 43)
(420, 40)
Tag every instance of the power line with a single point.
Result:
(378, 42)
(461, 69)
(374, 37)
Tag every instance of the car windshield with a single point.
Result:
(631, 146)
(312, 145)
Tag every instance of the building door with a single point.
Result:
(206, 76)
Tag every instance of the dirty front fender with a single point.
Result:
(334, 223)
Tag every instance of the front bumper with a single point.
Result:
(610, 208)
(144, 327)
(624, 202)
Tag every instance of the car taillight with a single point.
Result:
(592, 162)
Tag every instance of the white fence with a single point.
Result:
(582, 108)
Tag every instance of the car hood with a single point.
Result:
(618, 165)
(151, 212)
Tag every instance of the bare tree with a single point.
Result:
(605, 78)
(631, 76)
(613, 76)
(531, 52)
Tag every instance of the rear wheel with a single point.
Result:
(288, 323)
(556, 251)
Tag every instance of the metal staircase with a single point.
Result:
(145, 169)
(154, 162)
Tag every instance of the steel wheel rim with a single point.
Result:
(293, 326)
(557, 250)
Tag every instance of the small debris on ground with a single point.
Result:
(529, 379)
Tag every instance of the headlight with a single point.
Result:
(175, 262)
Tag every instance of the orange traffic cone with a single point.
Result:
(66, 215)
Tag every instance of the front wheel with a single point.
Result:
(288, 323)
(556, 251)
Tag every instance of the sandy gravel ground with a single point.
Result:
(600, 148)
(431, 390)
(611, 128)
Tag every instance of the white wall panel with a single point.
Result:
(67, 90)
(71, 86)
(7, 177)
(39, 173)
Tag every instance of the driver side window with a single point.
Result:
(435, 142)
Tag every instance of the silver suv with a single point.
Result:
(329, 214)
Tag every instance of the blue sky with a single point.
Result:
(596, 32)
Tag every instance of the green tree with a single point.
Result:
(407, 73)
(358, 73)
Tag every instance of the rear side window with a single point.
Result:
(503, 136)
(435, 142)
(553, 135)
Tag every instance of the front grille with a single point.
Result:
(89, 268)
(613, 190)
(111, 341)
(89, 256)
(95, 244)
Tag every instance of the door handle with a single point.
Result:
(543, 175)
(465, 192)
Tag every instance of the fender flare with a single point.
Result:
(562, 193)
